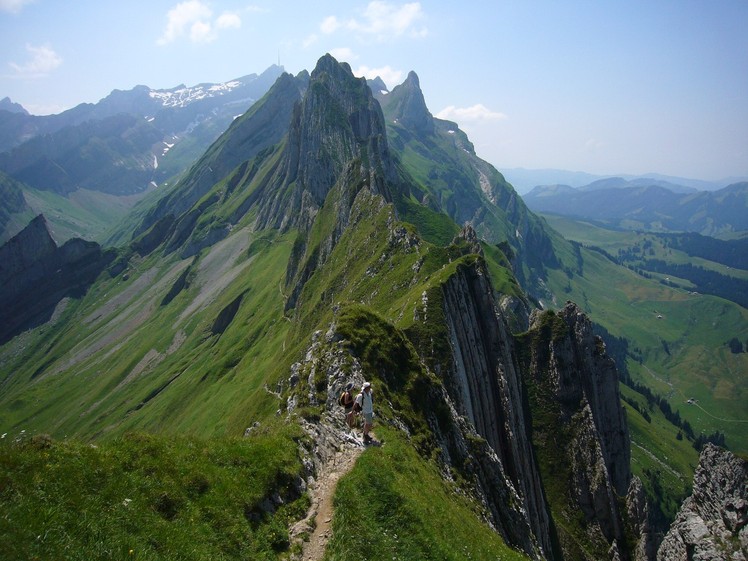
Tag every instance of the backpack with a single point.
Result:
(342, 401)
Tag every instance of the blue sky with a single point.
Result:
(601, 86)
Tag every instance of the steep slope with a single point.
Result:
(260, 128)
(451, 178)
(100, 159)
(13, 208)
(36, 275)
(111, 155)
(713, 522)
(203, 325)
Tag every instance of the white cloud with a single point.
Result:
(386, 73)
(201, 32)
(477, 112)
(13, 6)
(343, 54)
(384, 20)
(194, 19)
(227, 20)
(43, 60)
(380, 20)
(329, 25)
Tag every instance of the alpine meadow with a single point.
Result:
(171, 355)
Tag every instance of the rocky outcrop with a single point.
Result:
(712, 524)
(485, 385)
(580, 432)
(548, 407)
(336, 137)
(406, 105)
(35, 275)
(587, 374)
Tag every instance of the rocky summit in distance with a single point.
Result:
(36, 275)
(127, 142)
(712, 524)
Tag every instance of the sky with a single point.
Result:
(604, 86)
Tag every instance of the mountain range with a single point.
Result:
(337, 232)
(524, 180)
(125, 145)
(648, 205)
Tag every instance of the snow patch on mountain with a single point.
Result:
(182, 96)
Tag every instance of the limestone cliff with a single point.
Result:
(336, 135)
(580, 435)
(712, 523)
(486, 387)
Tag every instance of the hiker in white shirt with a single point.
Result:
(365, 403)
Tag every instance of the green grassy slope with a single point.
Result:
(90, 215)
(393, 505)
(121, 359)
(119, 348)
(677, 340)
(149, 497)
(664, 463)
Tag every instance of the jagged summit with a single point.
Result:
(337, 125)
(308, 137)
(6, 104)
(406, 105)
(36, 274)
(378, 87)
(31, 244)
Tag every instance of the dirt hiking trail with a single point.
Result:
(334, 455)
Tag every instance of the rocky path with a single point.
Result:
(335, 453)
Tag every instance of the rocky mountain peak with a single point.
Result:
(30, 245)
(35, 275)
(378, 86)
(7, 105)
(336, 131)
(408, 106)
(713, 522)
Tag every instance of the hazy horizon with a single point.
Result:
(616, 88)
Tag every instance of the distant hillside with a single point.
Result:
(524, 180)
(114, 151)
(635, 205)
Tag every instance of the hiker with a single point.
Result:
(346, 400)
(365, 404)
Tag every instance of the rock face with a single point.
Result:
(580, 434)
(712, 523)
(407, 106)
(337, 125)
(35, 275)
(486, 387)
(550, 411)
